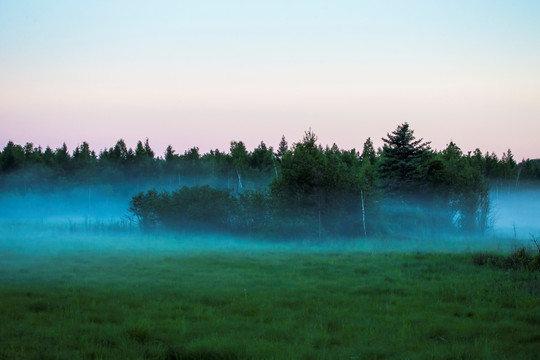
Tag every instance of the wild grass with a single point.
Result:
(264, 305)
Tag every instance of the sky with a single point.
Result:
(204, 73)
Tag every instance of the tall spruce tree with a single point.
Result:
(402, 169)
(283, 147)
(368, 152)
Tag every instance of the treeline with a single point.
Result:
(299, 190)
(29, 168)
(402, 189)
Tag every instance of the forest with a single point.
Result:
(302, 190)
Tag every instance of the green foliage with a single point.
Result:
(454, 184)
(520, 259)
(197, 207)
(13, 157)
(301, 176)
(528, 170)
(283, 147)
(261, 163)
(239, 155)
(146, 207)
(318, 191)
(309, 190)
(402, 167)
(368, 152)
(254, 212)
(122, 167)
(186, 208)
(439, 191)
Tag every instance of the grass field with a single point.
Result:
(263, 304)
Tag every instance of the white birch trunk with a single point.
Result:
(363, 213)
(239, 181)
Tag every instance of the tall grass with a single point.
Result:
(264, 305)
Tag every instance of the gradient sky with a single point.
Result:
(203, 73)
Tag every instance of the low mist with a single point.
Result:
(82, 220)
(403, 197)
(516, 214)
(70, 205)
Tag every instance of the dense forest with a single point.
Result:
(301, 190)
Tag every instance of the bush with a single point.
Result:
(519, 259)
(198, 207)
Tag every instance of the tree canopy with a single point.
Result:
(300, 189)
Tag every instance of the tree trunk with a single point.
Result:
(363, 213)
(239, 181)
(319, 217)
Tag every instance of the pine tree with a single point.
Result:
(283, 147)
(403, 156)
(149, 152)
(368, 152)
(169, 154)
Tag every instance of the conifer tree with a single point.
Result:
(402, 168)
(283, 147)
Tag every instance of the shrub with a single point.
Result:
(519, 259)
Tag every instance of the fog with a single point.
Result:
(516, 214)
(74, 205)
(82, 220)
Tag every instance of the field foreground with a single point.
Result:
(264, 305)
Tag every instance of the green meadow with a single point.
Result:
(264, 304)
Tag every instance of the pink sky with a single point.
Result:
(203, 76)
